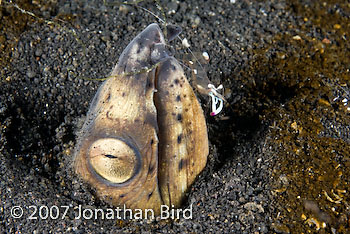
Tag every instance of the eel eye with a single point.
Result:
(114, 160)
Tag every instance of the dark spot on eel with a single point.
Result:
(179, 117)
(178, 98)
(182, 164)
(150, 195)
(149, 84)
(179, 138)
(177, 81)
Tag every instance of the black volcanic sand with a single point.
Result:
(279, 152)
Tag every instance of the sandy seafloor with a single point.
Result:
(279, 151)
